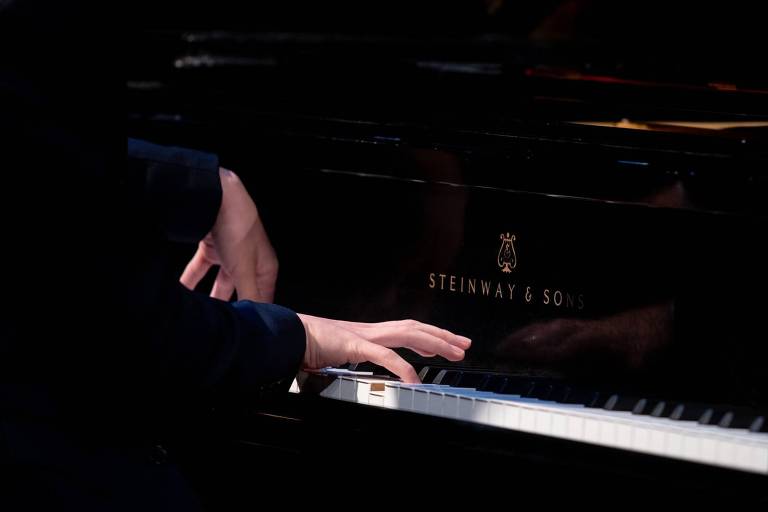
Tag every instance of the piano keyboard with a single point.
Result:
(735, 448)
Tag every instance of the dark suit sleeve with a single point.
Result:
(181, 187)
(206, 341)
(97, 314)
(179, 190)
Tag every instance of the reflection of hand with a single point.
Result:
(335, 342)
(629, 337)
(239, 245)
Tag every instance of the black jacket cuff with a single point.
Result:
(181, 187)
(272, 344)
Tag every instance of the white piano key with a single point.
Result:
(363, 390)
(623, 437)
(575, 429)
(333, 390)
(690, 447)
(348, 389)
(543, 421)
(592, 430)
(435, 402)
(450, 405)
(675, 444)
(559, 424)
(481, 411)
(608, 433)
(496, 413)
(402, 395)
(466, 405)
(405, 397)
(725, 453)
(392, 397)
(474, 404)
(527, 419)
(708, 449)
(376, 398)
(732, 448)
(658, 441)
(435, 398)
(760, 459)
(512, 416)
(640, 438)
(743, 456)
(421, 400)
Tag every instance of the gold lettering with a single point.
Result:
(501, 289)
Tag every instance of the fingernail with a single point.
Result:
(458, 351)
(466, 340)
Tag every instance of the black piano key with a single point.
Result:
(727, 417)
(559, 393)
(759, 424)
(646, 406)
(586, 397)
(712, 415)
(447, 377)
(494, 384)
(688, 412)
(737, 417)
(516, 386)
(617, 402)
(471, 380)
(452, 379)
(528, 388)
(598, 400)
(428, 374)
(540, 390)
(663, 409)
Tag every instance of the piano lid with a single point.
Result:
(708, 44)
(446, 129)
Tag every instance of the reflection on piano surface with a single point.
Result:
(592, 219)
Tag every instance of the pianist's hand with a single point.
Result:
(239, 245)
(335, 342)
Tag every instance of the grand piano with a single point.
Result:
(578, 187)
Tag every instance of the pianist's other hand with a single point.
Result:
(237, 243)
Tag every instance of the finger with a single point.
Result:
(415, 340)
(454, 339)
(223, 287)
(382, 356)
(195, 270)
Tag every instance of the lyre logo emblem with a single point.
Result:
(507, 258)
